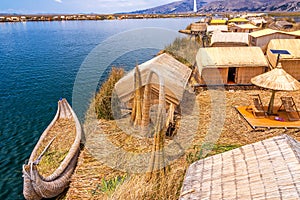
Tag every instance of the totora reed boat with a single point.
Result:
(54, 157)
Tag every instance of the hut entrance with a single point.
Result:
(231, 75)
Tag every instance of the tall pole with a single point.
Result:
(195, 6)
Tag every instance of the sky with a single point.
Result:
(77, 6)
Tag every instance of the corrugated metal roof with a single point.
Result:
(174, 73)
(216, 57)
(264, 170)
(230, 37)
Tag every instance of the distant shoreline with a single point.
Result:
(76, 17)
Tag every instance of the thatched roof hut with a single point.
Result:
(230, 39)
(175, 76)
(268, 169)
(290, 63)
(262, 37)
(237, 65)
(197, 28)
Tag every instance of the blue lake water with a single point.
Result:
(39, 62)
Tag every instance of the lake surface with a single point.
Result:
(39, 62)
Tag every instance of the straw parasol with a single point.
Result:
(277, 80)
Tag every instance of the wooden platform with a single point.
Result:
(267, 122)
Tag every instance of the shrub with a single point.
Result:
(103, 97)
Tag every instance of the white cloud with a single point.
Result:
(58, 1)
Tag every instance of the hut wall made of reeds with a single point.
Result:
(197, 28)
(261, 38)
(235, 65)
(175, 74)
(290, 63)
(268, 169)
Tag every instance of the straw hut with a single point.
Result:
(198, 28)
(234, 65)
(290, 63)
(175, 76)
(229, 39)
(262, 37)
(245, 28)
(268, 169)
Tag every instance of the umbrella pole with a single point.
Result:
(271, 103)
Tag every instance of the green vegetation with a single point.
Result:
(207, 150)
(184, 50)
(109, 186)
(103, 98)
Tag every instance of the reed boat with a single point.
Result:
(54, 158)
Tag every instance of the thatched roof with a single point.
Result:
(267, 31)
(276, 79)
(175, 76)
(219, 57)
(230, 38)
(211, 28)
(292, 45)
(246, 26)
(268, 169)
(296, 33)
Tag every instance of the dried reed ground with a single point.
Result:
(64, 133)
(236, 131)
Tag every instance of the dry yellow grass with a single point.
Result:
(64, 133)
(235, 131)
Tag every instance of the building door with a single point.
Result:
(231, 75)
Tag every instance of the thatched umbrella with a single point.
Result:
(277, 80)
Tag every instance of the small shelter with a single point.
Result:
(235, 65)
(268, 169)
(229, 39)
(175, 76)
(198, 28)
(246, 28)
(261, 38)
(276, 80)
(290, 63)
